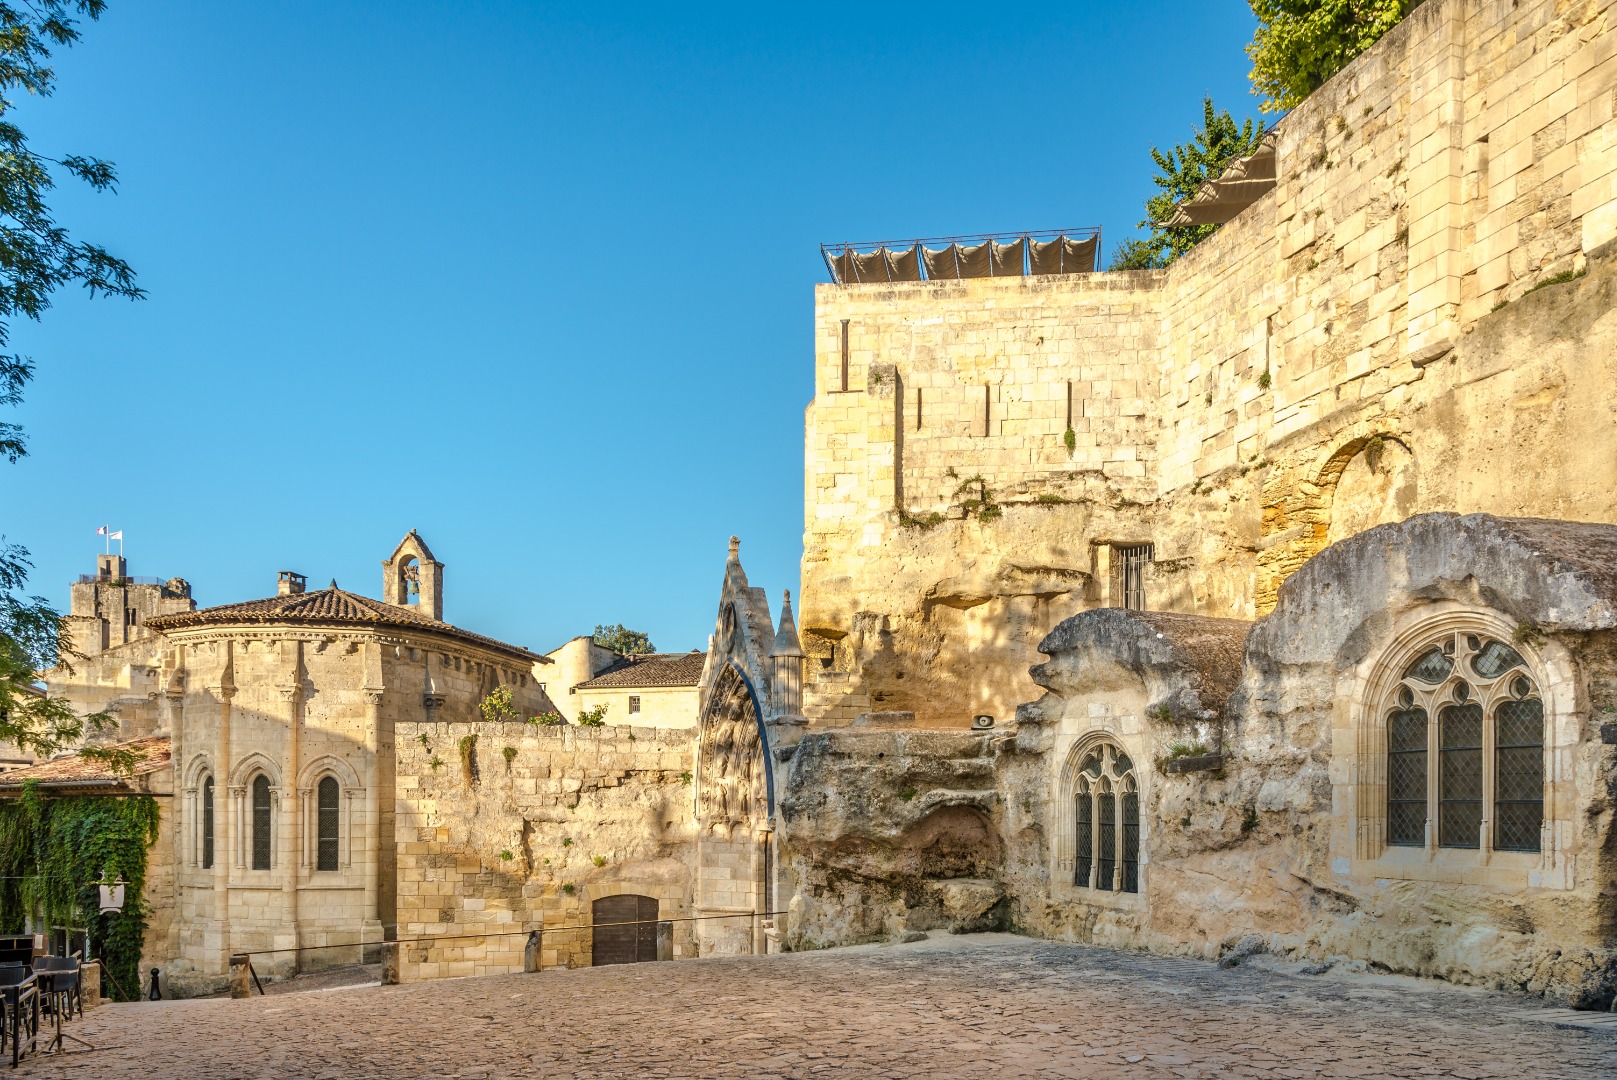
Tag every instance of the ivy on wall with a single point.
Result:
(53, 852)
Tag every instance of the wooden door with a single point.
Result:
(625, 929)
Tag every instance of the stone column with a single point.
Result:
(291, 817)
(370, 831)
(226, 845)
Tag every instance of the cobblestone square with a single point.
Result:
(980, 1006)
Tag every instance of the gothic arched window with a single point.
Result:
(326, 842)
(261, 822)
(1475, 776)
(207, 824)
(1106, 809)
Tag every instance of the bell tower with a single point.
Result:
(412, 578)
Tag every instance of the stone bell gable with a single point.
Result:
(412, 578)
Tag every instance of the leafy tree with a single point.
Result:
(1181, 171)
(620, 639)
(1301, 43)
(37, 257)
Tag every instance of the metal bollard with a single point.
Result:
(390, 963)
(156, 993)
(240, 982)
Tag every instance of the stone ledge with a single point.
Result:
(1198, 763)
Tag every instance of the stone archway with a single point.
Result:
(734, 811)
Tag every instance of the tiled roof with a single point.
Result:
(652, 669)
(75, 770)
(327, 607)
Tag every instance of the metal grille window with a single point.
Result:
(1106, 846)
(327, 817)
(1487, 787)
(1406, 774)
(1129, 570)
(261, 822)
(1459, 814)
(207, 824)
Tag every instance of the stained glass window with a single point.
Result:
(261, 822)
(326, 844)
(1518, 787)
(1107, 817)
(1488, 742)
(1084, 862)
(1459, 764)
(1406, 777)
(207, 824)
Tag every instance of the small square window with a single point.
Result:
(634, 703)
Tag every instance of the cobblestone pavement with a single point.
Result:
(982, 1006)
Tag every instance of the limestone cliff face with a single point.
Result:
(1418, 318)
(1259, 760)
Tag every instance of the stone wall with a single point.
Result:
(1357, 346)
(547, 821)
(1259, 755)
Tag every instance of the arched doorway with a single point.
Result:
(734, 804)
(624, 930)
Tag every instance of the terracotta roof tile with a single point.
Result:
(78, 771)
(652, 669)
(327, 607)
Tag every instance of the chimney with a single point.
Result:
(290, 584)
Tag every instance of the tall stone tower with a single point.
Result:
(109, 608)
(412, 578)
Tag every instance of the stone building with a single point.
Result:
(648, 690)
(1262, 603)
(1302, 539)
(280, 717)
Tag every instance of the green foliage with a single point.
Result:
(595, 717)
(569, 888)
(436, 763)
(39, 255)
(53, 851)
(567, 841)
(1048, 498)
(1558, 279)
(468, 758)
(1249, 822)
(923, 522)
(908, 793)
(510, 753)
(506, 856)
(1181, 171)
(548, 719)
(599, 860)
(685, 778)
(1265, 380)
(1527, 633)
(1070, 439)
(497, 705)
(1299, 44)
(423, 740)
(1179, 750)
(620, 639)
(33, 637)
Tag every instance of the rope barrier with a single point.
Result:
(512, 933)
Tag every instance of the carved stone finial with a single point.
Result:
(735, 547)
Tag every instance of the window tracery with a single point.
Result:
(1106, 811)
(1474, 778)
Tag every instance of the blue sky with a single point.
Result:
(536, 280)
